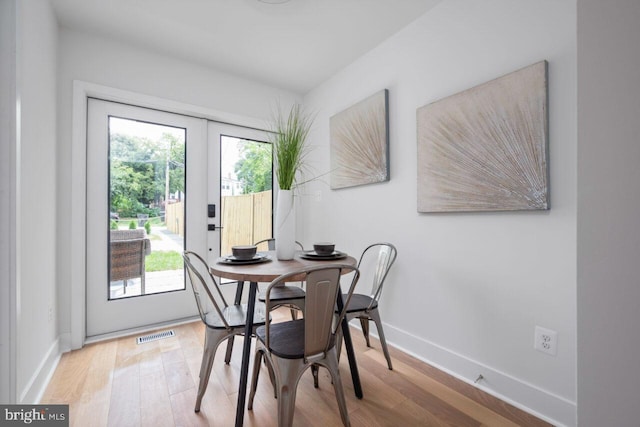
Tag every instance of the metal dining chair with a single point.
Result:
(287, 295)
(290, 347)
(222, 321)
(291, 296)
(375, 262)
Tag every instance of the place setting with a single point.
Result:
(323, 251)
(244, 255)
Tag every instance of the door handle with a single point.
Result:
(213, 227)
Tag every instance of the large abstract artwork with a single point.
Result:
(485, 149)
(360, 143)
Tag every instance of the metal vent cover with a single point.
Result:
(154, 337)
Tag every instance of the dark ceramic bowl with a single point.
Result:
(324, 248)
(244, 252)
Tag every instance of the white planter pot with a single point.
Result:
(285, 230)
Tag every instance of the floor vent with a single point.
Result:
(155, 337)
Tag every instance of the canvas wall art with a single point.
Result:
(485, 149)
(360, 143)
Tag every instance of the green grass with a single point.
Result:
(163, 260)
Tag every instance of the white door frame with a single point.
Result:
(81, 92)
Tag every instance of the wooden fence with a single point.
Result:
(174, 218)
(245, 218)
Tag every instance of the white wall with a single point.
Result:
(36, 225)
(608, 213)
(108, 63)
(8, 144)
(467, 289)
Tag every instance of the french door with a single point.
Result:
(243, 184)
(158, 183)
(146, 193)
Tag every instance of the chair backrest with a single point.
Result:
(375, 262)
(203, 282)
(138, 233)
(127, 259)
(323, 288)
(271, 244)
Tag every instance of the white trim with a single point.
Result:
(140, 330)
(81, 92)
(37, 384)
(543, 404)
(140, 100)
(64, 342)
(78, 217)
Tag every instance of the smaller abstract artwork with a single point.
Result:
(486, 149)
(360, 143)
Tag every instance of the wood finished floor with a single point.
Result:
(120, 383)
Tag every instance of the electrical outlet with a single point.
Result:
(546, 341)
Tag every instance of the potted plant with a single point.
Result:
(289, 146)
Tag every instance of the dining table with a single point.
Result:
(268, 268)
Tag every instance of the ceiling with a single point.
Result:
(293, 46)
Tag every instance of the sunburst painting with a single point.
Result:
(360, 143)
(485, 149)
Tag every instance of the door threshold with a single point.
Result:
(139, 330)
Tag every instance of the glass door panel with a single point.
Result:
(147, 206)
(246, 189)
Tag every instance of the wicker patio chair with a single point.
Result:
(128, 251)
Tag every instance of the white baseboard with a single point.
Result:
(65, 342)
(527, 397)
(38, 382)
(140, 330)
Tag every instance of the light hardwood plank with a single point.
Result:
(120, 383)
(155, 405)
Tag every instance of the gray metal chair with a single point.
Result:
(290, 347)
(271, 244)
(291, 296)
(375, 262)
(222, 321)
(287, 295)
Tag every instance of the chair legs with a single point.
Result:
(331, 363)
(227, 356)
(254, 378)
(213, 338)
(287, 374)
(315, 371)
(375, 316)
(364, 322)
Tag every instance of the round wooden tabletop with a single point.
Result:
(270, 270)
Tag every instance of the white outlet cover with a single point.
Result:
(546, 340)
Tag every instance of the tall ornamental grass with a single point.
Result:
(288, 139)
